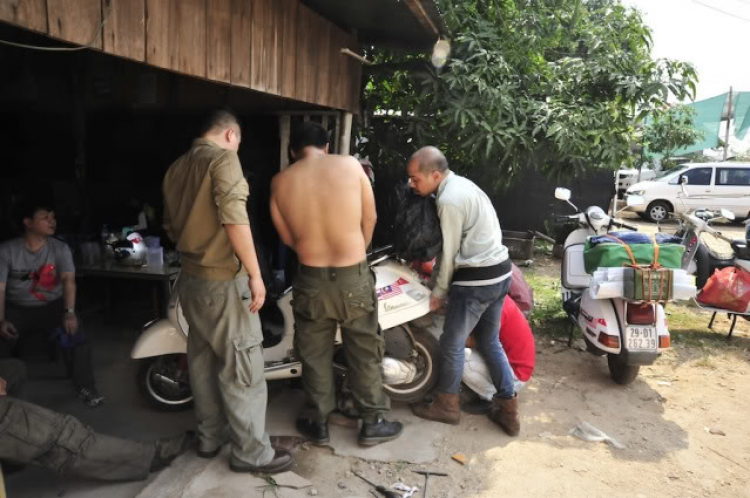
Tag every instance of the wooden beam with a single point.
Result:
(218, 40)
(157, 33)
(289, 49)
(421, 14)
(259, 76)
(125, 28)
(76, 21)
(345, 133)
(334, 145)
(303, 68)
(285, 127)
(30, 14)
(242, 42)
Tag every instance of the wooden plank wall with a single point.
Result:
(279, 47)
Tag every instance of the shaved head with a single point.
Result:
(219, 121)
(430, 159)
(426, 169)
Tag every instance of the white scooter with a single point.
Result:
(614, 327)
(412, 352)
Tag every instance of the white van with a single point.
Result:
(709, 185)
(625, 178)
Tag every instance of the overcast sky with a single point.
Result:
(694, 31)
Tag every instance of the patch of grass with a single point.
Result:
(705, 362)
(548, 317)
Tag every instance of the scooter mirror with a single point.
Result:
(635, 200)
(683, 187)
(562, 194)
(727, 214)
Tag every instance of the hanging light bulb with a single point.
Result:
(440, 53)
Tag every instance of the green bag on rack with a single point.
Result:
(608, 255)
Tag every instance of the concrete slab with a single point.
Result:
(289, 479)
(193, 477)
(416, 445)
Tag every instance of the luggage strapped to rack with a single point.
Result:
(651, 283)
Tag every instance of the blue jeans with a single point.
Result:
(475, 309)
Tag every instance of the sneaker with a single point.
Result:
(90, 396)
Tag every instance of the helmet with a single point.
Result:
(132, 251)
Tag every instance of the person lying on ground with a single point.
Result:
(33, 435)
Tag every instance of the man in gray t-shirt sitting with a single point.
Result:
(38, 295)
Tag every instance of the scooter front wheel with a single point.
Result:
(621, 372)
(164, 382)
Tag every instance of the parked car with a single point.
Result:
(626, 178)
(711, 185)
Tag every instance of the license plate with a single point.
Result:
(641, 338)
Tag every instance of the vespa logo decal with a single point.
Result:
(392, 307)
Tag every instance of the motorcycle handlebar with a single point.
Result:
(625, 225)
(565, 217)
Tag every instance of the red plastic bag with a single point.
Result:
(728, 288)
(521, 292)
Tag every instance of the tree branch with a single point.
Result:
(413, 65)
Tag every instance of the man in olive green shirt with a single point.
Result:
(205, 214)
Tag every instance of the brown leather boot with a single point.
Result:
(504, 412)
(445, 409)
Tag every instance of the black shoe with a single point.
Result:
(316, 433)
(169, 448)
(209, 454)
(282, 460)
(379, 432)
(90, 396)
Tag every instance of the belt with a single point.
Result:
(479, 273)
(334, 272)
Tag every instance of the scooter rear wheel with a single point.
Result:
(427, 361)
(164, 383)
(621, 372)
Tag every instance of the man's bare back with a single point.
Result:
(323, 207)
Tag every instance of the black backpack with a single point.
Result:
(418, 236)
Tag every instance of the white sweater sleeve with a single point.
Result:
(451, 224)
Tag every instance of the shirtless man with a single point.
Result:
(323, 207)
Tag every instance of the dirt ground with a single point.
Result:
(682, 425)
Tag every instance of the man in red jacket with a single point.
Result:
(518, 342)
